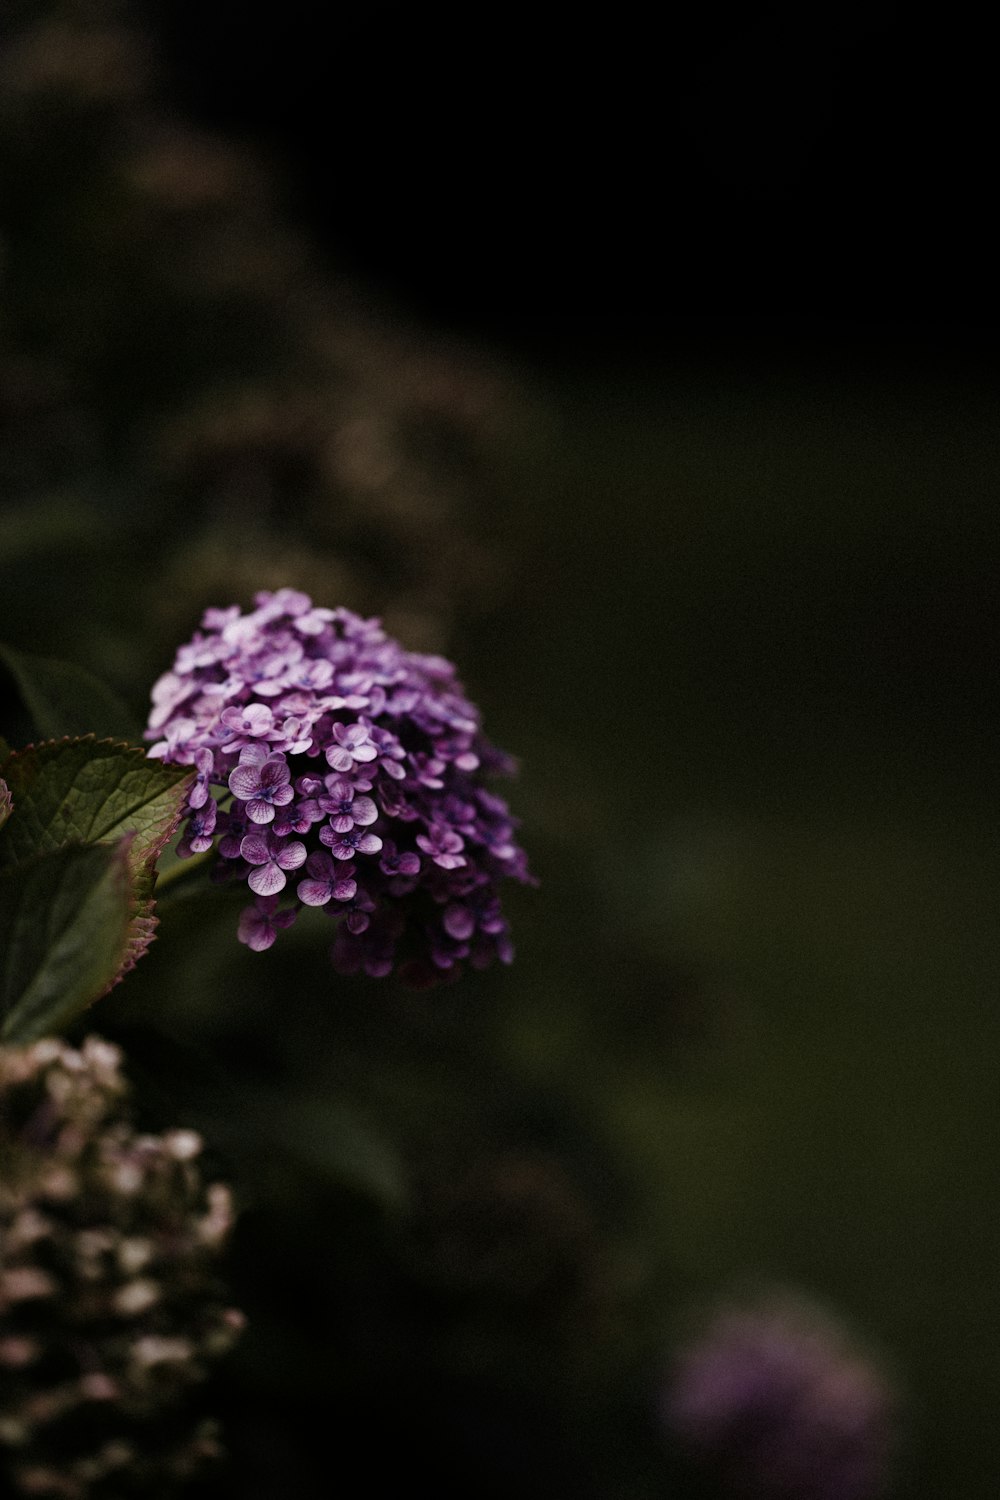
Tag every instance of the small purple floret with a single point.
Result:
(353, 744)
(443, 845)
(200, 833)
(333, 747)
(330, 881)
(347, 845)
(204, 763)
(271, 857)
(245, 725)
(259, 924)
(345, 809)
(396, 862)
(262, 787)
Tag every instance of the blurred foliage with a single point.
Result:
(181, 383)
(86, 821)
(735, 622)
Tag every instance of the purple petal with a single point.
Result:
(258, 717)
(310, 810)
(369, 843)
(315, 892)
(291, 822)
(291, 856)
(253, 755)
(255, 849)
(245, 782)
(260, 812)
(364, 811)
(458, 922)
(267, 880)
(274, 772)
(255, 930)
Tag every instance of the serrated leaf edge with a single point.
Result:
(136, 751)
(143, 923)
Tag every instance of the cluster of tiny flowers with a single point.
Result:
(109, 1308)
(351, 778)
(773, 1401)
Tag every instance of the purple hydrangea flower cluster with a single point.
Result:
(335, 769)
(774, 1401)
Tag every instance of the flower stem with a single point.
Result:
(181, 871)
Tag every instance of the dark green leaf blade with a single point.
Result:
(88, 791)
(64, 699)
(64, 931)
(95, 791)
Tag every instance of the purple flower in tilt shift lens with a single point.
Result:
(318, 740)
(773, 1402)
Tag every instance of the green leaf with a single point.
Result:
(64, 932)
(6, 802)
(95, 791)
(89, 791)
(64, 699)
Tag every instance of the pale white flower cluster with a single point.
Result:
(110, 1310)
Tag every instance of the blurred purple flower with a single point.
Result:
(443, 845)
(773, 1401)
(395, 863)
(259, 924)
